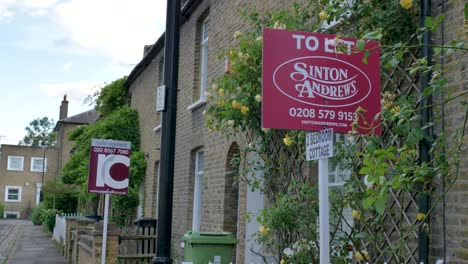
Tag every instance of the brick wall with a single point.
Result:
(224, 20)
(26, 179)
(143, 94)
(456, 216)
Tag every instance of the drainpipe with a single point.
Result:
(168, 133)
(425, 144)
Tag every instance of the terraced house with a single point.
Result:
(206, 195)
(25, 169)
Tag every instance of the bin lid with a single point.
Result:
(193, 237)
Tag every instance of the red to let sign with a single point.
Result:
(314, 81)
(109, 166)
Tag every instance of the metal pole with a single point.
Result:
(425, 144)
(44, 150)
(168, 132)
(324, 221)
(104, 229)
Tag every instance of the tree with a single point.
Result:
(40, 132)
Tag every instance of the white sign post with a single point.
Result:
(319, 146)
(104, 178)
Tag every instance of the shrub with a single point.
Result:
(49, 219)
(36, 216)
(2, 208)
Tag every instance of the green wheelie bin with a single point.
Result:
(209, 247)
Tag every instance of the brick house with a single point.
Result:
(22, 173)
(205, 198)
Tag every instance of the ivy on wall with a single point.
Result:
(116, 121)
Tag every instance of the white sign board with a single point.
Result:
(161, 99)
(319, 145)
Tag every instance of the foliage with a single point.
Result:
(2, 209)
(117, 122)
(48, 219)
(121, 124)
(111, 97)
(60, 196)
(40, 132)
(37, 214)
(374, 166)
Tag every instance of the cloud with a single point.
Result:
(67, 66)
(39, 4)
(5, 9)
(75, 91)
(11, 137)
(117, 29)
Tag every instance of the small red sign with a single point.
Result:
(315, 81)
(109, 166)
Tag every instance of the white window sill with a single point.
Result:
(157, 128)
(197, 104)
(12, 201)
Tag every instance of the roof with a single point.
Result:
(188, 6)
(87, 117)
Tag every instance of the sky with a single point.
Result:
(49, 48)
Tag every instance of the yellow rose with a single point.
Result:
(395, 110)
(264, 230)
(406, 4)
(236, 105)
(208, 95)
(221, 103)
(221, 92)
(323, 15)
(362, 255)
(420, 216)
(230, 122)
(356, 215)
(288, 141)
(244, 109)
(238, 35)
(258, 98)
(282, 261)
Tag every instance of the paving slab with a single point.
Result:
(34, 246)
(9, 232)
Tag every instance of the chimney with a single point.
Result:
(63, 108)
(146, 49)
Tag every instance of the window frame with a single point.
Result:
(44, 164)
(5, 213)
(202, 63)
(9, 160)
(198, 189)
(7, 193)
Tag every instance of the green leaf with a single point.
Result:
(366, 55)
(394, 62)
(466, 11)
(380, 205)
(429, 23)
(364, 170)
(367, 203)
(361, 44)
(371, 147)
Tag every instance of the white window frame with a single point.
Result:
(38, 192)
(10, 168)
(7, 192)
(42, 160)
(203, 64)
(5, 213)
(197, 190)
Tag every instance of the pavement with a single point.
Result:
(21, 242)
